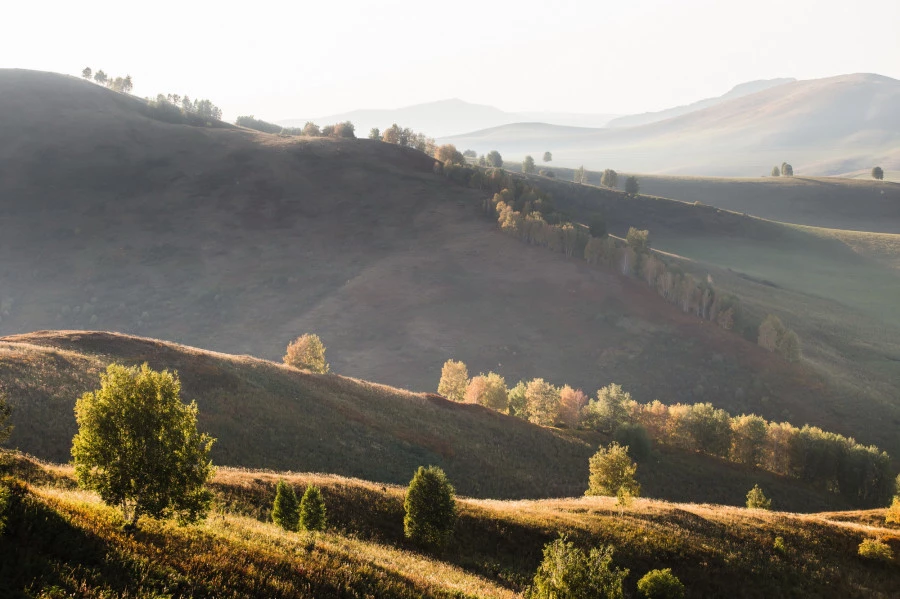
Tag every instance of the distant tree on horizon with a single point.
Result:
(101, 77)
(548, 157)
(580, 175)
(311, 129)
(494, 159)
(878, 173)
(610, 178)
(454, 380)
(86, 73)
(374, 133)
(528, 165)
(307, 352)
(632, 186)
(787, 170)
(470, 154)
(776, 172)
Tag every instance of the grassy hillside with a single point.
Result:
(239, 241)
(66, 539)
(266, 415)
(821, 126)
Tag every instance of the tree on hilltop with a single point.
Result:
(86, 73)
(470, 154)
(454, 380)
(101, 77)
(430, 508)
(374, 133)
(787, 170)
(311, 129)
(138, 446)
(776, 172)
(542, 401)
(609, 178)
(448, 154)
(488, 390)
(548, 157)
(307, 352)
(632, 186)
(878, 173)
(580, 175)
(285, 512)
(528, 165)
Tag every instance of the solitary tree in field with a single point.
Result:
(5, 412)
(632, 187)
(454, 380)
(139, 448)
(610, 178)
(878, 173)
(285, 512)
(308, 353)
(548, 157)
(430, 507)
(612, 473)
(776, 172)
(312, 509)
(374, 133)
(567, 572)
(494, 159)
(528, 165)
(757, 500)
(86, 73)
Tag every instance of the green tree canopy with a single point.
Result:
(660, 584)
(776, 172)
(612, 472)
(308, 353)
(312, 509)
(632, 186)
(5, 413)
(757, 500)
(566, 572)
(374, 133)
(610, 178)
(878, 173)
(430, 507)
(138, 446)
(284, 510)
(528, 165)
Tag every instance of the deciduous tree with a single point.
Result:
(86, 73)
(610, 178)
(878, 173)
(612, 472)
(528, 165)
(488, 390)
(566, 572)
(494, 159)
(548, 157)
(454, 380)
(542, 400)
(307, 352)
(632, 186)
(138, 446)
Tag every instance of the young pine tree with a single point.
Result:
(284, 511)
(312, 510)
(430, 508)
(757, 500)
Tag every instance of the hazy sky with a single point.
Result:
(306, 59)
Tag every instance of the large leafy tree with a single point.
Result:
(454, 380)
(138, 446)
(612, 472)
(568, 572)
(632, 185)
(610, 178)
(494, 159)
(430, 507)
(307, 352)
(528, 165)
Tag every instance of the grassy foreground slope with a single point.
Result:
(64, 538)
(266, 415)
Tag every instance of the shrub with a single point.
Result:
(454, 380)
(312, 509)
(636, 438)
(138, 446)
(757, 500)
(284, 509)
(567, 572)
(308, 353)
(430, 508)
(779, 545)
(875, 549)
(5, 501)
(893, 513)
(612, 472)
(660, 584)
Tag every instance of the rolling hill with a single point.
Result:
(266, 415)
(62, 540)
(821, 126)
(449, 117)
(744, 89)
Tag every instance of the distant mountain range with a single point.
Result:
(450, 117)
(738, 91)
(821, 126)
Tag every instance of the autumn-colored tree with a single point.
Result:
(542, 400)
(454, 380)
(878, 173)
(548, 157)
(488, 390)
(571, 401)
(770, 331)
(638, 239)
(311, 129)
(748, 439)
(448, 154)
(612, 473)
(307, 352)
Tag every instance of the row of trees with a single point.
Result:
(831, 461)
(307, 514)
(310, 129)
(120, 84)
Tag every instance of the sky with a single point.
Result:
(304, 59)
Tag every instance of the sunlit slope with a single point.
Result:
(715, 551)
(266, 415)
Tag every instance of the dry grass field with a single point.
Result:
(66, 541)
